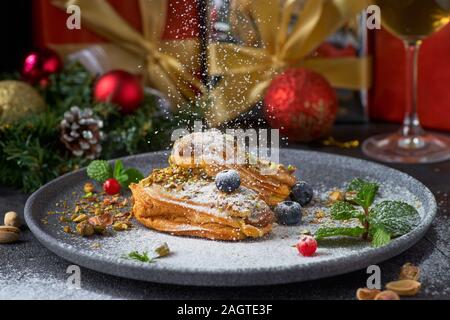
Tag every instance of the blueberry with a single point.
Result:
(288, 213)
(302, 193)
(228, 181)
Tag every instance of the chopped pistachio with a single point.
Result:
(305, 232)
(85, 229)
(335, 196)
(163, 250)
(99, 229)
(80, 218)
(120, 226)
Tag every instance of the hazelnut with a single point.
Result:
(12, 219)
(387, 295)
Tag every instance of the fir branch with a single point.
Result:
(31, 153)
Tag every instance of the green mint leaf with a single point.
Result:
(380, 237)
(118, 169)
(366, 195)
(342, 210)
(356, 184)
(99, 170)
(365, 192)
(142, 257)
(397, 218)
(123, 180)
(339, 231)
(134, 176)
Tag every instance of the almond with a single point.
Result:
(404, 287)
(387, 295)
(367, 294)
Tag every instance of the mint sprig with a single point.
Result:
(343, 210)
(384, 221)
(380, 237)
(365, 192)
(339, 231)
(101, 170)
(397, 218)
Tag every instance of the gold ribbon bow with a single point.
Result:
(247, 71)
(165, 71)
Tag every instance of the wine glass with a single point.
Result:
(412, 21)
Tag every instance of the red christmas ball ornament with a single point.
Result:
(39, 65)
(121, 88)
(302, 104)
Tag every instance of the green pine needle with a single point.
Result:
(31, 153)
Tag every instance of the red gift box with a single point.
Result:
(50, 22)
(387, 101)
(50, 31)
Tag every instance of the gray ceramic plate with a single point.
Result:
(271, 260)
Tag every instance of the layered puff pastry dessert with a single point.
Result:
(184, 199)
(214, 152)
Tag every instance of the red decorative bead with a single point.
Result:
(111, 187)
(302, 104)
(307, 246)
(121, 88)
(39, 65)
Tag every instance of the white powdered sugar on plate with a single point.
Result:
(269, 260)
(274, 250)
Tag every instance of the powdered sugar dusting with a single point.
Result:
(201, 261)
(273, 251)
(244, 202)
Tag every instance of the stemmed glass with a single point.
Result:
(412, 21)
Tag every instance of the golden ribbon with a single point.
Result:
(164, 70)
(247, 71)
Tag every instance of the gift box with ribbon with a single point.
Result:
(277, 42)
(135, 35)
(388, 97)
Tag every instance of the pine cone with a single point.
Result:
(81, 133)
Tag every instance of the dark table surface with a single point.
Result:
(29, 271)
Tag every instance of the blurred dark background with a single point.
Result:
(16, 33)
